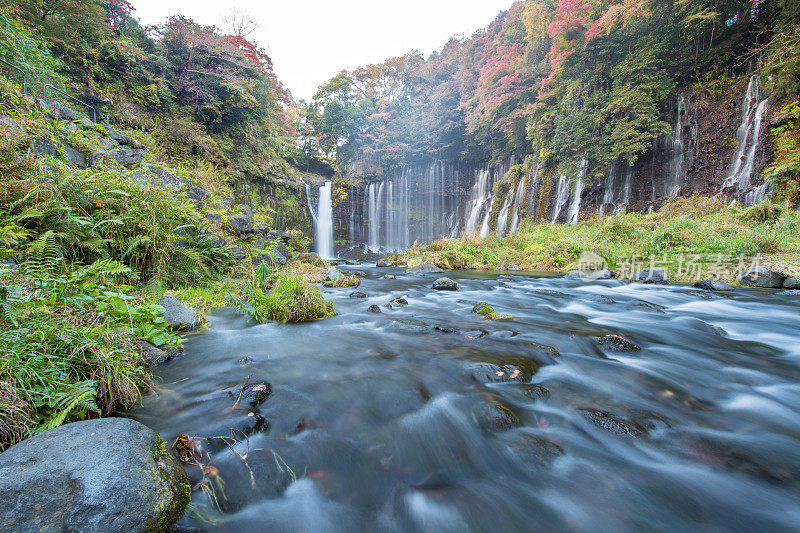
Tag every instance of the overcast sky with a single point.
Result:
(312, 40)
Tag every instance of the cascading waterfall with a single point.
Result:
(480, 195)
(324, 222)
(574, 211)
(561, 198)
(758, 195)
(748, 136)
(502, 218)
(617, 187)
(683, 147)
(517, 202)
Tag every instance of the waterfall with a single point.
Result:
(562, 195)
(324, 233)
(502, 218)
(574, 211)
(480, 194)
(748, 136)
(758, 195)
(617, 187)
(517, 202)
(682, 148)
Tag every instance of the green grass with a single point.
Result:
(715, 234)
(290, 298)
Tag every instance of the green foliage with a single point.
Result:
(19, 46)
(290, 299)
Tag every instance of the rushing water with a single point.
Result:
(373, 423)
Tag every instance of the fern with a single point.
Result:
(77, 396)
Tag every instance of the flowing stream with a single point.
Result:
(387, 422)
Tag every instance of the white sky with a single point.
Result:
(312, 40)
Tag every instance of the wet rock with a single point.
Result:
(104, 475)
(152, 355)
(762, 277)
(791, 283)
(793, 292)
(424, 268)
(358, 294)
(383, 263)
(491, 373)
(589, 275)
(543, 353)
(359, 273)
(616, 343)
(374, 309)
(648, 306)
(494, 417)
(389, 276)
(652, 275)
(445, 284)
(252, 395)
(445, 329)
(712, 285)
(482, 308)
(613, 424)
(534, 450)
(245, 361)
(536, 392)
(397, 303)
(345, 272)
(179, 316)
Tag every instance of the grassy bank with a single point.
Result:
(85, 256)
(690, 238)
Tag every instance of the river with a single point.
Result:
(383, 422)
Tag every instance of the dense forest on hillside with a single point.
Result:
(562, 79)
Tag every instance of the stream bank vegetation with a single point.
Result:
(687, 237)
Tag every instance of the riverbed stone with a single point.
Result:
(152, 355)
(613, 424)
(652, 275)
(397, 302)
(358, 294)
(424, 268)
(617, 343)
(494, 417)
(791, 283)
(712, 285)
(491, 373)
(762, 277)
(104, 475)
(589, 275)
(389, 276)
(179, 316)
(374, 309)
(445, 284)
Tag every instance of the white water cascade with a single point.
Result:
(748, 136)
(480, 194)
(561, 198)
(574, 211)
(518, 195)
(683, 146)
(324, 223)
(758, 195)
(618, 186)
(502, 218)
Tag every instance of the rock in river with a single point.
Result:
(615, 343)
(179, 316)
(762, 277)
(791, 283)
(445, 284)
(712, 285)
(652, 275)
(105, 475)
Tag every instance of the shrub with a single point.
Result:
(291, 299)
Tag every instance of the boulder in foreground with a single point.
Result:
(762, 277)
(712, 285)
(109, 475)
(179, 317)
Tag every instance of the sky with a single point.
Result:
(312, 40)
